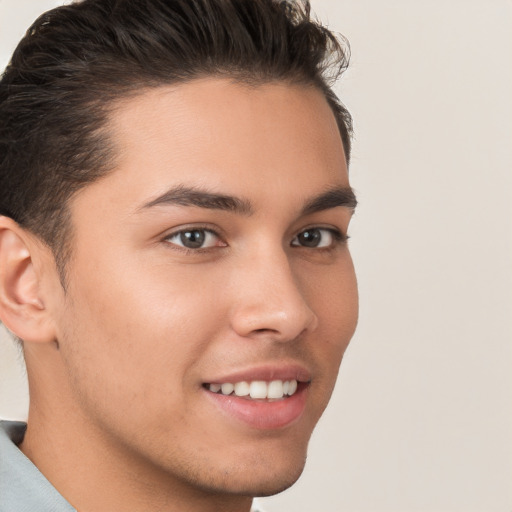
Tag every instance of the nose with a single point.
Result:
(269, 302)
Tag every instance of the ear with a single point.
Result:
(21, 308)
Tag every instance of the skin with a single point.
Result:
(117, 361)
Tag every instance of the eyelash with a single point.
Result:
(339, 238)
(199, 250)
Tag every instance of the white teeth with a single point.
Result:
(227, 388)
(275, 389)
(241, 389)
(257, 389)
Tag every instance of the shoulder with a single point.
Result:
(22, 486)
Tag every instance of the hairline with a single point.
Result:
(62, 248)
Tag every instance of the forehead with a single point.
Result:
(224, 136)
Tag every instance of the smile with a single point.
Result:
(257, 389)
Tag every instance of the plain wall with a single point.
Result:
(421, 419)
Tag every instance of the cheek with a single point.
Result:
(137, 333)
(333, 296)
(337, 306)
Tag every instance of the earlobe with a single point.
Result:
(21, 308)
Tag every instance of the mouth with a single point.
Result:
(267, 398)
(257, 389)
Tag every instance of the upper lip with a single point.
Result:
(265, 372)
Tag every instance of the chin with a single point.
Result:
(261, 479)
(275, 487)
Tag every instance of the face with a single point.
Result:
(211, 291)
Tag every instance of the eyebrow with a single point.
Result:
(192, 196)
(182, 195)
(332, 198)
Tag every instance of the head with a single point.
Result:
(175, 201)
(77, 62)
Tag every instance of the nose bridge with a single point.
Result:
(269, 298)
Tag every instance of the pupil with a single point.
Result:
(310, 238)
(192, 239)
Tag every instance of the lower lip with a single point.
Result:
(263, 414)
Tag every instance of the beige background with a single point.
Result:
(422, 419)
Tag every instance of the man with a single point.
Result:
(174, 203)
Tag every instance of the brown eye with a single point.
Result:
(316, 238)
(194, 238)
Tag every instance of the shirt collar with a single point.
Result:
(22, 486)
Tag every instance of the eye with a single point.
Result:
(317, 238)
(195, 239)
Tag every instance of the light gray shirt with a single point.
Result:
(23, 488)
